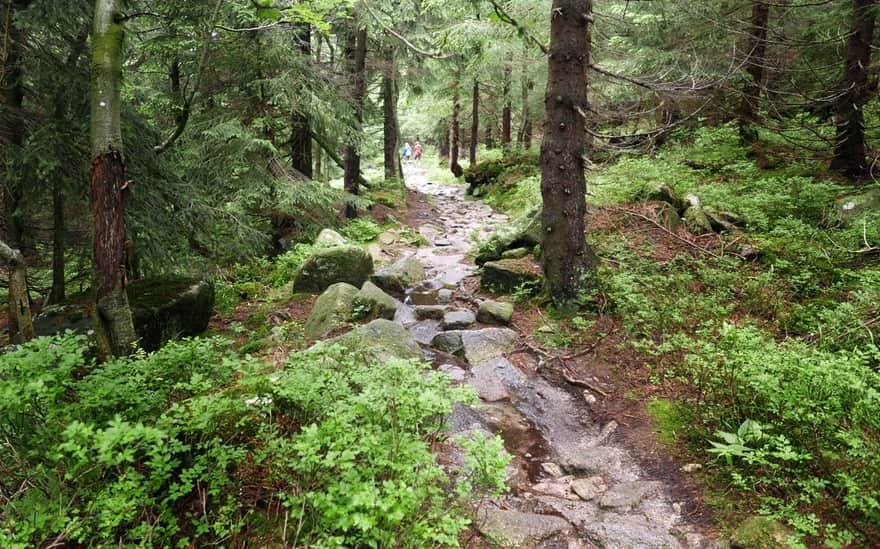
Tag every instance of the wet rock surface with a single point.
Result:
(572, 485)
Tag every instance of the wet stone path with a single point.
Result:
(572, 487)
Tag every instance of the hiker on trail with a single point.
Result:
(407, 152)
(417, 151)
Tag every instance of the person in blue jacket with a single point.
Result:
(407, 152)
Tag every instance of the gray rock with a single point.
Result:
(661, 193)
(330, 310)
(433, 312)
(329, 238)
(508, 275)
(494, 312)
(668, 217)
(444, 295)
(552, 469)
(516, 253)
(515, 529)
(589, 488)
(696, 221)
(490, 389)
(608, 461)
(166, 308)
(500, 368)
(448, 342)
(524, 232)
(400, 275)
(405, 315)
(629, 532)
(424, 331)
(380, 341)
(328, 266)
(854, 206)
(483, 345)
(454, 372)
(556, 487)
(458, 320)
(627, 495)
(374, 302)
(761, 533)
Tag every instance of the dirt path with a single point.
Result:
(575, 481)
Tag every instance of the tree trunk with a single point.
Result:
(109, 186)
(455, 129)
(754, 65)
(524, 136)
(357, 56)
(489, 134)
(849, 150)
(300, 120)
(507, 112)
(21, 325)
(390, 132)
(12, 130)
(442, 133)
(569, 263)
(475, 124)
(58, 263)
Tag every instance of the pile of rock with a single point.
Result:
(698, 219)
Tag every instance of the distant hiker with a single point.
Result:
(417, 151)
(407, 152)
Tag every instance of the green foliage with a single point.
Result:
(194, 445)
(361, 230)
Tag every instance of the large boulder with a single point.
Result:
(329, 266)
(380, 341)
(516, 529)
(495, 312)
(162, 309)
(333, 308)
(400, 275)
(371, 301)
(524, 232)
(165, 308)
(507, 275)
(476, 346)
(329, 238)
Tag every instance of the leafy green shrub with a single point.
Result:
(195, 446)
(361, 230)
(288, 263)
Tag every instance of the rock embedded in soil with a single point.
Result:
(425, 330)
(454, 372)
(628, 495)
(516, 253)
(477, 346)
(696, 221)
(556, 487)
(669, 218)
(495, 312)
(589, 488)
(381, 340)
(515, 529)
(430, 312)
(444, 296)
(508, 275)
(523, 232)
(552, 469)
(761, 533)
(329, 266)
(400, 275)
(332, 309)
(458, 320)
(166, 308)
(490, 389)
(329, 238)
(608, 461)
(376, 303)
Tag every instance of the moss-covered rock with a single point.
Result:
(854, 206)
(661, 192)
(329, 266)
(668, 217)
(169, 307)
(523, 232)
(696, 220)
(333, 308)
(495, 312)
(507, 275)
(373, 302)
(329, 238)
(381, 340)
(761, 533)
(400, 275)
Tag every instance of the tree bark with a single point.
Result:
(442, 133)
(109, 186)
(849, 149)
(300, 120)
(754, 65)
(390, 131)
(569, 263)
(524, 136)
(475, 124)
(58, 294)
(21, 324)
(12, 130)
(455, 129)
(357, 56)
(507, 111)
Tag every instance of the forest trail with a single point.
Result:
(574, 484)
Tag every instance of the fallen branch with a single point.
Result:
(670, 233)
(568, 377)
(589, 347)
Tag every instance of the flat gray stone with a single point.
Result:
(556, 487)
(444, 296)
(454, 372)
(483, 345)
(329, 238)
(608, 461)
(515, 529)
(589, 488)
(425, 331)
(627, 495)
(448, 342)
(495, 312)
(490, 389)
(458, 320)
(432, 312)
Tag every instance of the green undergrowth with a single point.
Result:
(769, 365)
(196, 446)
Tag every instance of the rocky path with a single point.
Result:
(572, 485)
